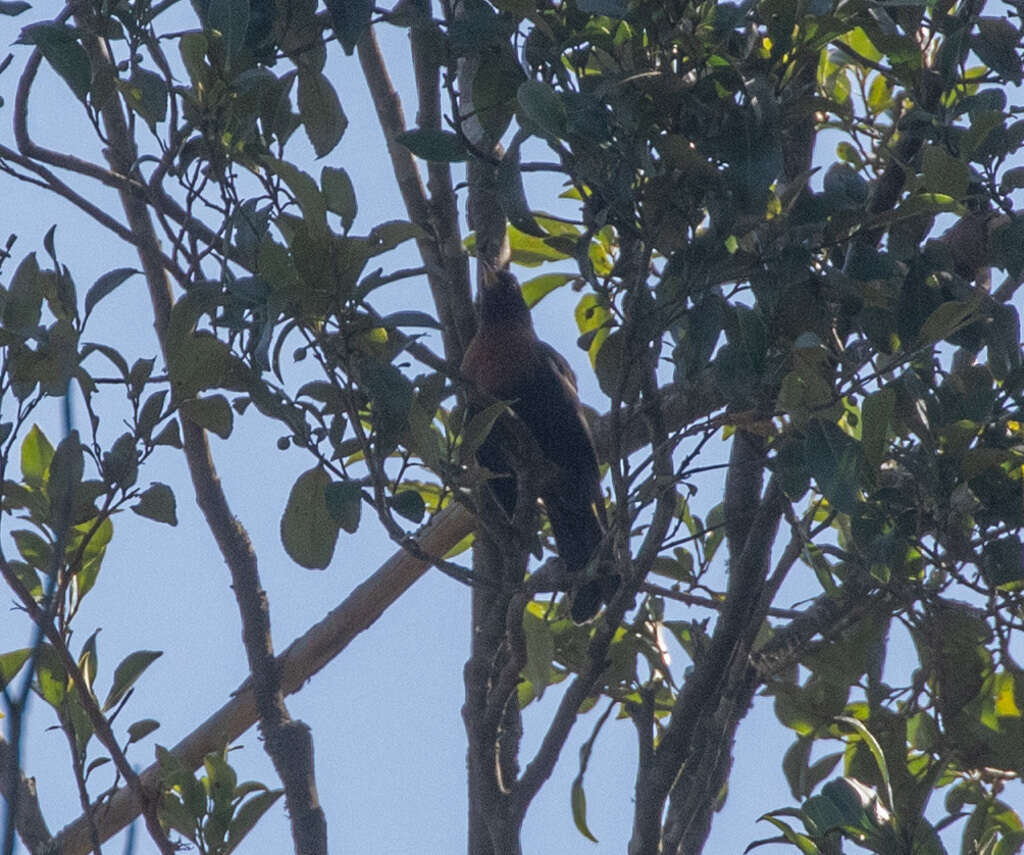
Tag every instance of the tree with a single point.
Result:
(860, 360)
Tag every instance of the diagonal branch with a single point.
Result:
(303, 658)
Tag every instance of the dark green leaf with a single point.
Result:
(105, 285)
(543, 106)
(409, 504)
(309, 531)
(146, 93)
(392, 233)
(344, 503)
(212, 413)
(410, 318)
(127, 672)
(512, 195)
(14, 7)
(321, 112)
(946, 320)
(997, 43)
(247, 815)
(351, 18)
(24, 305)
(434, 145)
(139, 730)
(66, 470)
(478, 429)
(157, 503)
(59, 45)
(307, 194)
(1003, 561)
(339, 194)
(170, 435)
(231, 19)
(944, 173)
(876, 424)
(834, 461)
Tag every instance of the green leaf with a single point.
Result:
(307, 194)
(157, 503)
(351, 18)
(66, 470)
(344, 503)
(59, 45)
(127, 672)
(24, 304)
(36, 455)
(409, 504)
(833, 459)
(1003, 561)
(11, 663)
(170, 435)
(146, 93)
(193, 46)
(434, 145)
(391, 397)
(321, 112)
(231, 19)
(410, 318)
(578, 798)
(105, 285)
(944, 173)
(540, 651)
(392, 233)
(512, 195)
(536, 289)
(478, 429)
(876, 424)
(947, 319)
(876, 752)
(139, 730)
(247, 815)
(339, 194)
(35, 549)
(997, 43)
(309, 531)
(543, 106)
(212, 412)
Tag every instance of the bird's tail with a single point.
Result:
(578, 535)
(586, 601)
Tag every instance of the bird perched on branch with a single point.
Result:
(506, 360)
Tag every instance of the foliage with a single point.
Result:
(861, 361)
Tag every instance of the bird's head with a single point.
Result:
(501, 301)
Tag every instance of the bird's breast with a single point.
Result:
(500, 360)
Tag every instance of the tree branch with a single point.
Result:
(28, 817)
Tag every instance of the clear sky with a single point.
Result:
(390, 744)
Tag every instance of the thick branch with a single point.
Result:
(447, 270)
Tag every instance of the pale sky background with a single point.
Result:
(385, 715)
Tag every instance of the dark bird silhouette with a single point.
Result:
(506, 360)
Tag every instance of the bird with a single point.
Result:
(507, 361)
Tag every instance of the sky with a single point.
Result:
(390, 743)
